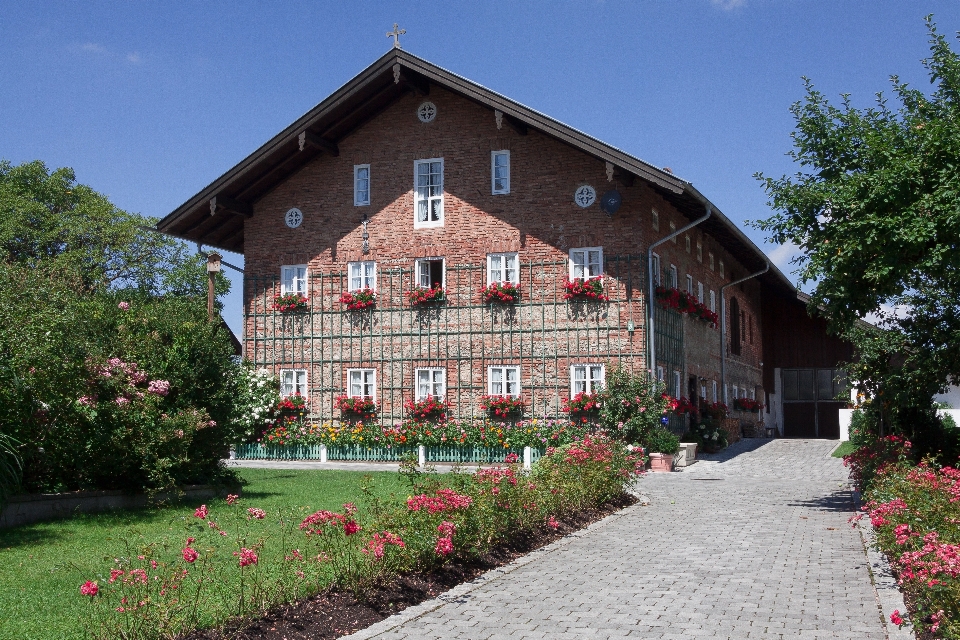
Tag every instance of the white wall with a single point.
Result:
(951, 397)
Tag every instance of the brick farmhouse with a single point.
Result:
(410, 180)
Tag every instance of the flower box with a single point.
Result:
(429, 408)
(359, 300)
(290, 302)
(585, 289)
(687, 454)
(503, 292)
(360, 408)
(747, 404)
(583, 403)
(686, 302)
(502, 406)
(426, 295)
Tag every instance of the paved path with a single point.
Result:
(750, 543)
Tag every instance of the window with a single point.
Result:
(687, 242)
(362, 383)
(503, 267)
(714, 390)
(676, 384)
(362, 275)
(587, 378)
(586, 262)
(689, 284)
(699, 252)
(500, 172)
(292, 382)
(504, 381)
(659, 373)
(673, 277)
(700, 292)
(294, 279)
(431, 382)
(721, 269)
(736, 392)
(673, 228)
(428, 194)
(711, 261)
(361, 185)
(753, 394)
(703, 391)
(735, 337)
(713, 300)
(656, 270)
(430, 272)
(655, 219)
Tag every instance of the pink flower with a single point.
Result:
(895, 618)
(350, 527)
(190, 554)
(114, 574)
(552, 523)
(247, 556)
(122, 402)
(259, 514)
(159, 387)
(232, 497)
(89, 588)
(125, 306)
(444, 546)
(447, 529)
(86, 401)
(201, 512)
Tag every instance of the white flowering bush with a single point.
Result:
(258, 392)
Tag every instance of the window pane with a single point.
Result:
(791, 385)
(806, 384)
(512, 263)
(840, 384)
(825, 384)
(355, 386)
(287, 284)
(596, 375)
(511, 381)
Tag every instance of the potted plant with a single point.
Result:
(500, 292)
(585, 289)
(359, 299)
(294, 405)
(357, 408)
(428, 408)
(502, 406)
(662, 445)
(426, 295)
(290, 302)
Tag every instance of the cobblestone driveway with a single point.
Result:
(752, 544)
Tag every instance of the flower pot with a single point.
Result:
(687, 454)
(661, 462)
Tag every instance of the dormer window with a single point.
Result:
(428, 193)
(500, 172)
(361, 185)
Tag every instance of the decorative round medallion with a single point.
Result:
(293, 218)
(427, 112)
(585, 196)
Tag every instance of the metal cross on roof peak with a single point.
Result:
(396, 33)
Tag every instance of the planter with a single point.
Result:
(661, 462)
(687, 454)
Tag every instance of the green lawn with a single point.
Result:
(845, 448)
(43, 565)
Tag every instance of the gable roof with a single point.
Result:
(214, 216)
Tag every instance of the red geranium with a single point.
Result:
(359, 299)
(685, 302)
(427, 409)
(426, 295)
(290, 302)
(363, 407)
(502, 406)
(582, 402)
(585, 289)
(500, 292)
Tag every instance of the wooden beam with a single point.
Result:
(420, 86)
(624, 177)
(312, 139)
(230, 206)
(517, 125)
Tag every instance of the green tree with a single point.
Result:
(875, 209)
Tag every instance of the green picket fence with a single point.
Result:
(361, 453)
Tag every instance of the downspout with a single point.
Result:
(651, 334)
(723, 328)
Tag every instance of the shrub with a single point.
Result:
(255, 404)
(661, 440)
(633, 405)
(872, 457)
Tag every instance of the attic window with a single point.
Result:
(711, 262)
(699, 252)
(687, 239)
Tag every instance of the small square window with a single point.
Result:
(655, 218)
(500, 172)
(362, 383)
(292, 382)
(586, 262)
(428, 193)
(294, 279)
(362, 275)
(503, 268)
(430, 273)
(431, 383)
(586, 378)
(504, 381)
(361, 185)
(656, 270)
(700, 292)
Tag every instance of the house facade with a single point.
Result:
(416, 234)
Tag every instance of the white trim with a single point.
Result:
(515, 256)
(443, 271)
(363, 383)
(590, 385)
(700, 292)
(585, 252)
(417, 199)
(296, 382)
(689, 284)
(674, 277)
(363, 276)
(298, 281)
(713, 303)
(431, 383)
(493, 172)
(714, 390)
(677, 383)
(503, 368)
(357, 200)
(657, 276)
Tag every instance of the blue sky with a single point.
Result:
(150, 102)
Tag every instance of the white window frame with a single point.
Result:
(657, 277)
(677, 383)
(687, 243)
(689, 284)
(700, 292)
(584, 253)
(590, 384)
(713, 303)
(418, 198)
(367, 378)
(674, 277)
(418, 274)
(297, 281)
(503, 369)
(297, 382)
(366, 281)
(431, 383)
(736, 390)
(714, 390)
(703, 391)
(358, 199)
(505, 189)
(505, 256)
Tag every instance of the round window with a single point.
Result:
(585, 196)
(427, 112)
(293, 218)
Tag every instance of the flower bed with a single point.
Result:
(153, 591)
(685, 302)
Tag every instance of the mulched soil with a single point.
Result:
(332, 614)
